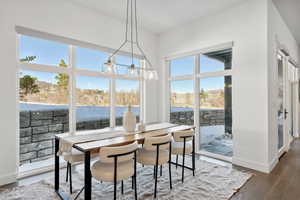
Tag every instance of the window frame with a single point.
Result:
(196, 77)
(72, 71)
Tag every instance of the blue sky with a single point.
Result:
(50, 53)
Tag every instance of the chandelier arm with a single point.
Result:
(145, 57)
(116, 51)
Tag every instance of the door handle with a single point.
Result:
(285, 113)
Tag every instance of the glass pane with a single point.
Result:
(39, 51)
(216, 61)
(280, 112)
(216, 115)
(44, 112)
(127, 93)
(182, 102)
(93, 103)
(125, 60)
(89, 59)
(182, 66)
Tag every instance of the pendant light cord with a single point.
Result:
(133, 24)
(131, 32)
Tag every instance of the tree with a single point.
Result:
(62, 79)
(203, 96)
(28, 85)
(28, 59)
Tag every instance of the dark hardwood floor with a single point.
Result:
(283, 183)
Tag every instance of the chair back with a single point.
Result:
(179, 135)
(150, 143)
(124, 153)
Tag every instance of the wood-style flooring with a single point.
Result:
(283, 183)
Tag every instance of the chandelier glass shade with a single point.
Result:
(145, 70)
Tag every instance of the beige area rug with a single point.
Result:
(212, 182)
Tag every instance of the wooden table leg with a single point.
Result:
(87, 176)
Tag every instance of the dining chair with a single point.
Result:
(156, 151)
(184, 144)
(117, 164)
(72, 158)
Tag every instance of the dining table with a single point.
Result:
(90, 143)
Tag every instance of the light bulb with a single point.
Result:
(132, 70)
(109, 67)
(150, 75)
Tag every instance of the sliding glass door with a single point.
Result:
(201, 94)
(215, 115)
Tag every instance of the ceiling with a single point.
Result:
(290, 11)
(160, 15)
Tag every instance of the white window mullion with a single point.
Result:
(72, 91)
(197, 100)
(167, 92)
(112, 92)
(142, 94)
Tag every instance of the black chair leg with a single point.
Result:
(193, 156)
(115, 190)
(122, 187)
(155, 186)
(135, 190)
(161, 170)
(67, 174)
(135, 183)
(170, 166)
(176, 161)
(183, 160)
(132, 182)
(154, 171)
(170, 175)
(70, 173)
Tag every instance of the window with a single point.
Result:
(182, 102)
(58, 94)
(182, 66)
(44, 112)
(200, 94)
(88, 59)
(127, 94)
(215, 61)
(39, 51)
(93, 103)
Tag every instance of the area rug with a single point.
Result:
(211, 182)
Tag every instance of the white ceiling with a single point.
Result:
(160, 15)
(290, 11)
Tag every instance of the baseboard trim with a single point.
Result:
(7, 179)
(273, 164)
(265, 168)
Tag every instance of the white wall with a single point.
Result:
(278, 33)
(61, 18)
(246, 26)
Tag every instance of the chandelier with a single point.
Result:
(131, 37)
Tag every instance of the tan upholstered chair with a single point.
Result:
(116, 164)
(156, 151)
(184, 144)
(72, 158)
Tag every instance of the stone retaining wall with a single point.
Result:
(38, 128)
(207, 117)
